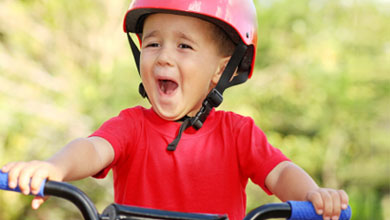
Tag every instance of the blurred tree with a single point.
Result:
(321, 93)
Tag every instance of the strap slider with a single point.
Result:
(197, 121)
(215, 98)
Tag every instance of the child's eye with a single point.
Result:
(152, 45)
(185, 46)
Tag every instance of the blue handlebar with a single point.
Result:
(304, 210)
(4, 184)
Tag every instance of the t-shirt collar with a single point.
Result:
(170, 128)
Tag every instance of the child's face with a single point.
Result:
(179, 63)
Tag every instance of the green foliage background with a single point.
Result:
(320, 91)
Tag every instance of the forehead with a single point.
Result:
(171, 22)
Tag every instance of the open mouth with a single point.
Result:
(168, 87)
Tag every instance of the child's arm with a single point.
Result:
(289, 182)
(80, 158)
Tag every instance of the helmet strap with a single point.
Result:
(136, 54)
(135, 50)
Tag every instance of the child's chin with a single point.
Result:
(167, 115)
(171, 118)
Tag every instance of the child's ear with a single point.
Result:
(221, 67)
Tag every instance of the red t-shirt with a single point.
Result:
(207, 173)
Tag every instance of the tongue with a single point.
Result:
(168, 86)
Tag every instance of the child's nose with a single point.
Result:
(165, 57)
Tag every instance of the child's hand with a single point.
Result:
(29, 177)
(328, 202)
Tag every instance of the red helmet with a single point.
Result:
(236, 17)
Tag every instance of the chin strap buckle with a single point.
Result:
(213, 100)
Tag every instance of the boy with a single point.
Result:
(181, 154)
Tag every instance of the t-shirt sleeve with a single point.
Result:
(256, 155)
(119, 132)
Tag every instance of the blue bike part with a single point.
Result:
(4, 185)
(304, 210)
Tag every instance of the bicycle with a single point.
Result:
(291, 210)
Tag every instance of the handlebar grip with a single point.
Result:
(4, 184)
(304, 210)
